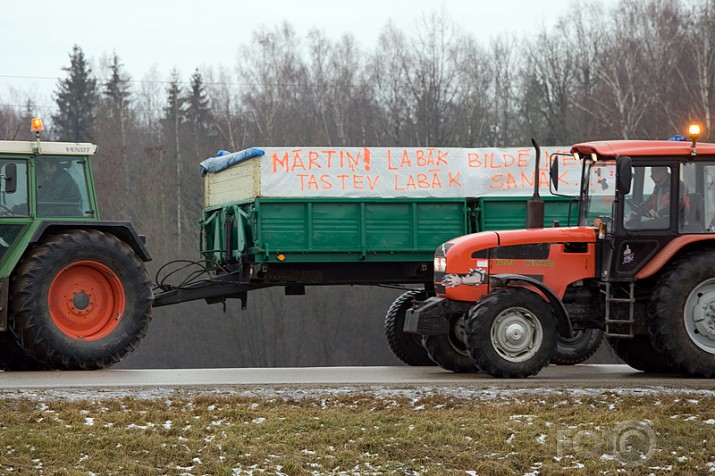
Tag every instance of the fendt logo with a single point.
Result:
(77, 150)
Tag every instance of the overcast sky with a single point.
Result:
(37, 36)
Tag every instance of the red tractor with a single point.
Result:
(639, 268)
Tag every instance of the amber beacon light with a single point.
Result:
(37, 125)
(694, 132)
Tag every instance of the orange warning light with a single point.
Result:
(37, 125)
(694, 131)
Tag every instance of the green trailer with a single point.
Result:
(282, 232)
(293, 243)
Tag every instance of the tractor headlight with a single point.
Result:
(440, 264)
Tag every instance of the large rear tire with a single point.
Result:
(80, 300)
(511, 333)
(14, 357)
(681, 314)
(406, 347)
(450, 351)
(639, 353)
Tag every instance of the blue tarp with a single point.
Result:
(226, 159)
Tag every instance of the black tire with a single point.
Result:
(450, 351)
(80, 300)
(406, 347)
(681, 314)
(14, 357)
(640, 354)
(533, 328)
(571, 351)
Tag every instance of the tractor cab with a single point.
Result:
(642, 196)
(42, 182)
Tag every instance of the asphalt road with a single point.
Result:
(578, 376)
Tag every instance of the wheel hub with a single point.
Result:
(706, 325)
(699, 316)
(516, 334)
(80, 302)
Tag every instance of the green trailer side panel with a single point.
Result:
(508, 213)
(357, 230)
(369, 228)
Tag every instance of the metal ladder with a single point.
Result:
(612, 300)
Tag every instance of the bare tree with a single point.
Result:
(274, 73)
(585, 31)
(621, 98)
(389, 79)
(226, 108)
(549, 86)
(473, 118)
(658, 27)
(504, 61)
(433, 67)
(698, 53)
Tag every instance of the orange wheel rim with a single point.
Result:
(86, 300)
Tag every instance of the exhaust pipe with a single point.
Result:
(535, 206)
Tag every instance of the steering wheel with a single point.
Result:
(637, 207)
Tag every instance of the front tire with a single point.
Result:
(406, 347)
(80, 300)
(511, 333)
(681, 314)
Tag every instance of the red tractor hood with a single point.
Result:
(546, 254)
(491, 239)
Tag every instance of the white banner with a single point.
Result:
(412, 172)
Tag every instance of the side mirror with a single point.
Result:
(624, 175)
(554, 173)
(10, 177)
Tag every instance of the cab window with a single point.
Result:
(648, 203)
(13, 188)
(61, 187)
(698, 199)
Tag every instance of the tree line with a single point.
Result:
(643, 69)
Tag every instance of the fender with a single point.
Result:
(123, 230)
(664, 256)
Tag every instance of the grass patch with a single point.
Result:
(359, 433)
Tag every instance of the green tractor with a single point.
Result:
(74, 293)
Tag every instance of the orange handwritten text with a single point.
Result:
(434, 179)
(342, 182)
(299, 160)
(522, 180)
(428, 157)
(498, 160)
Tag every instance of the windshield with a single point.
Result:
(598, 191)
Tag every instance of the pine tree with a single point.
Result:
(198, 114)
(113, 129)
(118, 96)
(76, 98)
